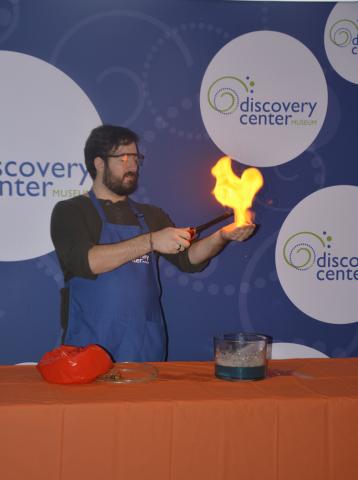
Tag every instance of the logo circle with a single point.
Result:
(45, 119)
(317, 255)
(254, 97)
(341, 40)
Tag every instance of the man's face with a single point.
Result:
(121, 170)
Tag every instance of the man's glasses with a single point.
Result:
(138, 158)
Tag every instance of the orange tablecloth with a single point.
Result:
(185, 425)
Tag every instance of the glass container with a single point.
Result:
(240, 356)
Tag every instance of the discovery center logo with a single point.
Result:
(34, 179)
(344, 33)
(263, 98)
(46, 119)
(317, 265)
(40, 179)
(228, 95)
(341, 40)
(309, 251)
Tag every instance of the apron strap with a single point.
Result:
(97, 205)
(140, 217)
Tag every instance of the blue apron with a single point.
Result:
(119, 310)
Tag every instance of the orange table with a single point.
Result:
(185, 425)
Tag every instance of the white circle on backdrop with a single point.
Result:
(45, 119)
(263, 98)
(317, 255)
(294, 350)
(341, 40)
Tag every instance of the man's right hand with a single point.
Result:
(171, 240)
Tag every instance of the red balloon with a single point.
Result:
(68, 364)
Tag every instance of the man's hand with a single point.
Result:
(171, 240)
(210, 246)
(238, 234)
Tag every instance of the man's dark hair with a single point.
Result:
(103, 140)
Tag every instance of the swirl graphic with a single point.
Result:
(300, 254)
(342, 31)
(121, 14)
(175, 112)
(138, 83)
(300, 250)
(122, 73)
(223, 96)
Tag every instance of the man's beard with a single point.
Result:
(117, 185)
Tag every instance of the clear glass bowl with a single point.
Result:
(240, 356)
(130, 372)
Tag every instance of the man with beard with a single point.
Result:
(108, 246)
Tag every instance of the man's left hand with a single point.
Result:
(238, 234)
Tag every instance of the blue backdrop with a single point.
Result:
(141, 64)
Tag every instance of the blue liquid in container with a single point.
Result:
(240, 373)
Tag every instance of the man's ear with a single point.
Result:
(99, 164)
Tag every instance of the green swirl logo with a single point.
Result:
(223, 94)
(300, 250)
(341, 33)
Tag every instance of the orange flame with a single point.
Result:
(235, 192)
